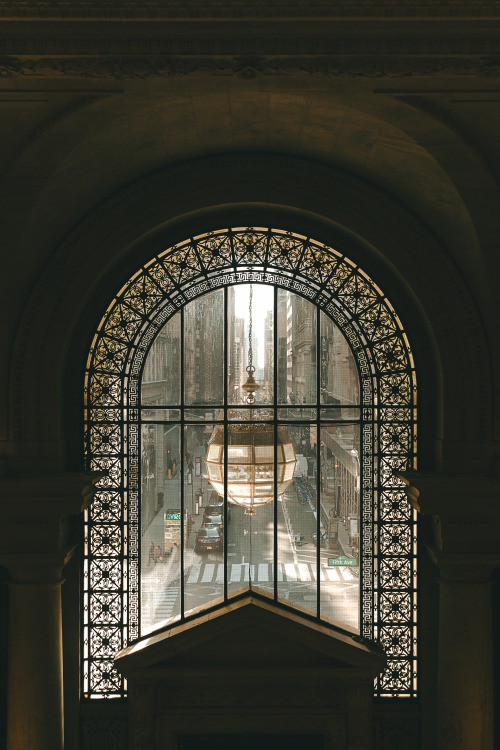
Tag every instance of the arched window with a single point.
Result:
(294, 494)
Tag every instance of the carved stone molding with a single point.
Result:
(244, 9)
(274, 49)
(161, 39)
(124, 67)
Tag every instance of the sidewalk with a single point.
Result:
(327, 516)
(343, 539)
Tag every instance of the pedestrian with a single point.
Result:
(158, 555)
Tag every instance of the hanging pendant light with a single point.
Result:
(250, 453)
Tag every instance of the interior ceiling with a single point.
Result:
(404, 95)
(76, 153)
(75, 129)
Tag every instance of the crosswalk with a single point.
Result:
(164, 602)
(197, 573)
(164, 595)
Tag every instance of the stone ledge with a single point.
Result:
(216, 10)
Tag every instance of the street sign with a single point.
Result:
(172, 528)
(173, 515)
(342, 560)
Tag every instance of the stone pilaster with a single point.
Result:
(35, 704)
(465, 513)
(142, 724)
(465, 677)
(35, 544)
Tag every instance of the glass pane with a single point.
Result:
(338, 371)
(202, 415)
(160, 415)
(160, 525)
(340, 413)
(262, 341)
(204, 540)
(204, 350)
(296, 350)
(340, 524)
(297, 526)
(250, 548)
(264, 454)
(162, 370)
(297, 414)
(242, 415)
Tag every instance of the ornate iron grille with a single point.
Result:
(388, 424)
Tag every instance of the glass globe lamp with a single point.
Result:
(250, 463)
(250, 452)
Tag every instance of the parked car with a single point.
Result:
(215, 510)
(213, 519)
(208, 539)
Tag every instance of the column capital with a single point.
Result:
(465, 516)
(451, 494)
(36, 569)
(37, 514)
(465, 569)
(49, 494)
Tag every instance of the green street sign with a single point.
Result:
(172, 515)
(342, 560)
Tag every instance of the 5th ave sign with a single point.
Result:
(342, 560)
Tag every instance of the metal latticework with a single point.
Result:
(339, 288)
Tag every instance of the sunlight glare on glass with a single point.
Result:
(262, 304)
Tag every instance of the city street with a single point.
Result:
(250, 561)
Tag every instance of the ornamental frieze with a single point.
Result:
(157, 66)
(245, 9)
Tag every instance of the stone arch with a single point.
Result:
(390, 243)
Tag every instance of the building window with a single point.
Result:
(333, 534)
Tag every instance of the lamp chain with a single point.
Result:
(250, 386)
(250, 368)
